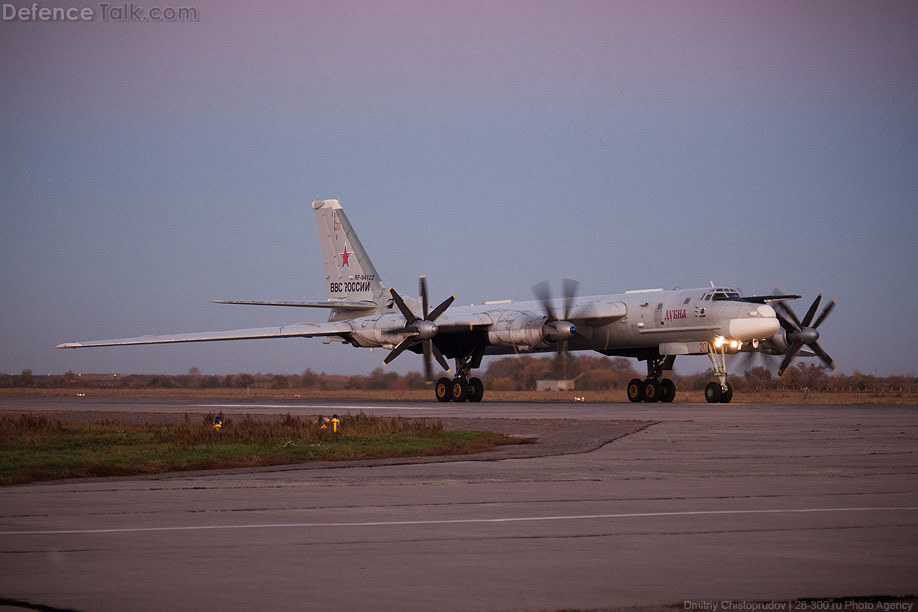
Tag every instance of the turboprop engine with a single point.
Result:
(797, 335)
(527, 332)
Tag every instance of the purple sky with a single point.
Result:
(148, 168)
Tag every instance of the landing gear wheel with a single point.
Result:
(459, 390)
(636, 390)
(669, 390)
(653, 390)
(442, 389)
(712, 392)
(726, 396)
(476, 389)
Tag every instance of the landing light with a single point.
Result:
(720, 341)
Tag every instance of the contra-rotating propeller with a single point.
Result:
(556, 329)
(801, 333)
(421, 330)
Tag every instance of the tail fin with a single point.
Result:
(348, 270)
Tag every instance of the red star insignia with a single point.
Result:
(344, 257)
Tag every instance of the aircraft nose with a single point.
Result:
(754, 328)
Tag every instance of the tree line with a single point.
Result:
(518, 373)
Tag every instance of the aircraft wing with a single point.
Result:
(598, 313)
(298, 330)
(593, 314)
(763, 299)
(461, 322)
(341, 305)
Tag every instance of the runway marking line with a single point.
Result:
(455, 521)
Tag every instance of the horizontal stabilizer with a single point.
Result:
(299, 330)
(342, 305)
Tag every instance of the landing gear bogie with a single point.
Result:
(654, 388)
(464, 387)
(651, 390)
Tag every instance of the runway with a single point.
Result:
(707, 503)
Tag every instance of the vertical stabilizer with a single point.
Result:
(348, 270)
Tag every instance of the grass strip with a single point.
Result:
(36, 448)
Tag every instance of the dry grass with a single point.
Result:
(37, 448)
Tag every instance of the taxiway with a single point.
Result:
(724, 502)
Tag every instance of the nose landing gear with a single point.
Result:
(715, 393)
(720, 391)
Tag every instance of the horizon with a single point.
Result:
(152, 168)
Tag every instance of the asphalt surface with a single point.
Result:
(708, 503)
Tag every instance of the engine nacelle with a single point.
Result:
(383, 332)
(526, 332)
(776, 345)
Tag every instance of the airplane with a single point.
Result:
(650, 325)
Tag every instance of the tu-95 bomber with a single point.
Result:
(654, 325)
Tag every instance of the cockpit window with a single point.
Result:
(687, 300)
(725, 294)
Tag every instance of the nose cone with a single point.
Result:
(753, 328)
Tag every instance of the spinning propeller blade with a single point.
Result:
(562, 328)
(802, 334)
(422, 330)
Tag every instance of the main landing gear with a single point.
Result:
(464, 387)
(720, 391)
(654, 388)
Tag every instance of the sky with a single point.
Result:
(149, 168)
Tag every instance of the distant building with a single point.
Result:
(555, 385)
